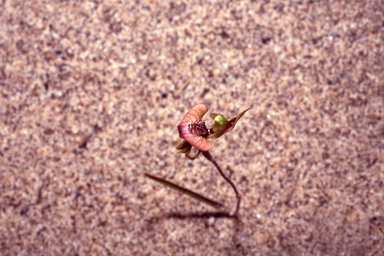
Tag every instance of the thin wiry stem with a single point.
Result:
(238, 195)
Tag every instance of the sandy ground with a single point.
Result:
(91, 93)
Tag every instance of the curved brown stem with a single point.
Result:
(238, 195)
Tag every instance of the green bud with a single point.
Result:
(221, 120)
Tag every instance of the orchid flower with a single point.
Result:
(194, 132)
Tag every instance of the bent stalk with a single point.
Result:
(238, 195)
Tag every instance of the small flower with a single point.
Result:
(194, 131)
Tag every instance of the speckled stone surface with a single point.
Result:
(91, 93)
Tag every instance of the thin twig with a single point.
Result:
(238, 195)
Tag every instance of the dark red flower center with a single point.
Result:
(198, 128)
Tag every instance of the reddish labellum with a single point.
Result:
(193, 129)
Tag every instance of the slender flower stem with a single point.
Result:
(238, 195)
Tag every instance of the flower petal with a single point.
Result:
(183, 130)
(234, 120)
(199, 142)
(183, 146)
(195, 156)
(194, 114)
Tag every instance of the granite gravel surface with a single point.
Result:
(91, 93)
